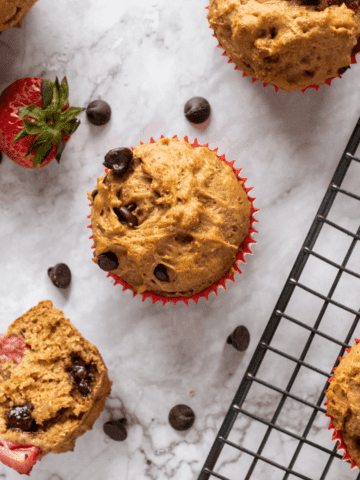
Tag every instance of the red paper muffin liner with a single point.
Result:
(337, 434)
(327, 81)
(245, 247)
(19, 456)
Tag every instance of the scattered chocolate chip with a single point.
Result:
(197, 110)
(60, 275)
(20, 417)
(160, 273)
(181, 417)
(94, 193)
(108, 261)
(118, 159)
(98, 112)
(116, 430)
(343, 70)
(131, 207)
(124, 215)
(239, 338)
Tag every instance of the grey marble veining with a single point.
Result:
(147, 58)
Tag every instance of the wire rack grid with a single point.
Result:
(290, 437)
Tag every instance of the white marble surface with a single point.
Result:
(147, 58)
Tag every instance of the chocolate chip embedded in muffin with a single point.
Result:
(161, 273)
(108, 261)
(20, 417)
(116, 429)
(98, 112)
(125, 215)
(94, 193)
(118, 159)
(239, 338)
(181, 417)
(197, 110)
(60, 275)
(81, 376)
(343, 70)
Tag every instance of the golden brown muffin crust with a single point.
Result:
(12, 12)
(344, 401)
(286, 43)
(193, 214)
(42, 380)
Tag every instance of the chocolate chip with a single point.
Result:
(98, 112)
(20, 417)
(94, 193)
(118, 159)
(239, 338)
(81, 376)
(358, 442)
(343, 70)
(160, 273)
(181, 417)
(108, 261)
(124, 215)
(60, 275)
(131, 207)
(115, 429)
(197, 110)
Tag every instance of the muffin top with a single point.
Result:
(57, 389)
(344, 401)
(290, 44)
(191, 216)
(12, 12)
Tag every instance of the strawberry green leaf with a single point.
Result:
(56, 99)
(32, 111)
(64, 93)
(42, 152)
(33, 128)
(47, 94)
(70, 127)
(38, 142)
(59, 150)
(19, 136)
(72, 113)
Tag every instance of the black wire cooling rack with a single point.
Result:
(279, 430)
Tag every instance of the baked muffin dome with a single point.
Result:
(58, 389)
(12, 12)
(191, 216)
(344, 401)
(288, 43)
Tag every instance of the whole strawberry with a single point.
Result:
(36, 121)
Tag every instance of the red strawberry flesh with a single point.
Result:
(23, 92)
(19, 456)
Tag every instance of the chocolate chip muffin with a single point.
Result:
(344, 401)
(12, 12)
(168, 217)
(56, 391)
(288, 43)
